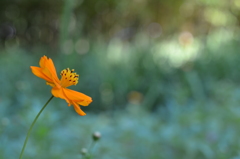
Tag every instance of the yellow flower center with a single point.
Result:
(68, 78)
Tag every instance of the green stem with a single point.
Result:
(92, 145)
(30, 129)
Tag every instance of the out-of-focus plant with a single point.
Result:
(87, 153)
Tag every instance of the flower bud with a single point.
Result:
(96, 136)
(84, 151)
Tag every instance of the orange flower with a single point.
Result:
(47, 72)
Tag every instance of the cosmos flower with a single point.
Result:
(47, 72)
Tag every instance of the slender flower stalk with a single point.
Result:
(86, 154)
(95, 137)
(30, 129)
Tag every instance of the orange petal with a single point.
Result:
(46, 71)
(42, 62)
(78, 109)
(44, 67)
(37, 71)
(48, 63)
(77, 97)
(58, 92)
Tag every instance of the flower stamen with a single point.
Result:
(68, 77)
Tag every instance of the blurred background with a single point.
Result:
(163, 75)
